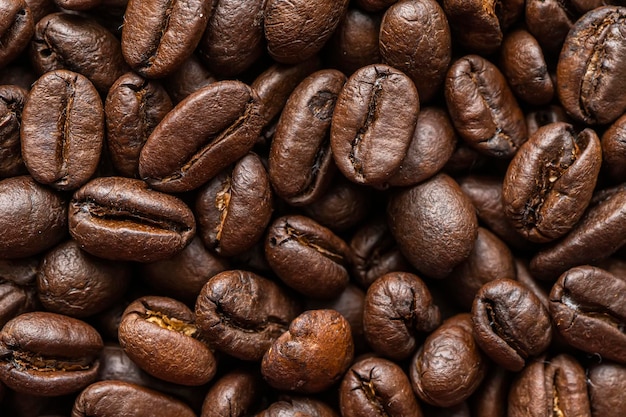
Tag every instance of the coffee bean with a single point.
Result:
(550, 21)
(16, 29)
(48, 353)
(491, 398)
(18, 293)
(78, 5)
(297, 406)
(62, 130)
(12, 99)
(613, 150)
(108, 214)
(160, 335)
(158, 35)
(188, 78)
(605, 382)
(220, 122)
(235, 395)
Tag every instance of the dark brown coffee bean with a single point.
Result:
(117, 398)
(160, 335)
(233, 39)
(76, 284)
(298, 29)
(398, 307)
(62, 130)
(483, 108)
(606, 383)
(122, 219)
(375, 253)
(510, 323)
(33, 218)
(307, 256)
(41, 8)
(373, 123)
(78, 44)
(48, 353)
(432, 146)
(490, 259)
(376, 386)
(550, 181)
(544, 116)
(16, 28)
(449, 367)
(183, 275)
(235, 207)
(588, 307)
(78, 5)
(614, 150)
(214, 127)
(550, 21)
(591, 67)
(434, 224)
(355, 42)
(490, 400)
(554, 387)
(18, 293)
(291, 406)
(524, 66)
(159, 35)
(300, 162)
(134, 107)
(233, 395)
(188, 78)
(12, 99)
(242, 314)
(312, 355)
(598, 234)
(410, 32)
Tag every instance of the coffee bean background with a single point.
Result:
(313, 208)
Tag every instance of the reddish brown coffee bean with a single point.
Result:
(12, 99)
(298, 29)
(160, 335)
(16, 29)
(62, 130)
(214, 127)
(614, 150)
(298, 406)
(188, 78)
(312, 355)
(233, 395)
(606, 381)
(550, 21)
(48, 353)
(159, 35)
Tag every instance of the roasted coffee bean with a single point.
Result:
(373, 123)
(375, 253)
(588, 307)
(289, 406)
(160, 335)
(489, 260)
(606, 382)
(78, 5)
(525, 68)
(48, 353)
(134, 107)
(449, 367)
(33, 218)
(18, 293)
(510, 323)
(117, 398)
(490, 400)
(550, 181)
(62, 130)
(41, 8)
(158, 35)
(355, 42)
(483, 108)
(74, 283)
(376, 386)
(550, 21)
(235, 207)
(307, 256)
(242, 314)
(12, 100)
(183, 275)
(78, 44)
(412, 30)
(596, 236)
(547, 387)
(122, 219)
(414, 216)
(614, 150)
(344, 205)
(432, 146)
(312, 355)
(590, 70)
(301, 164)
(298, 29)
(233, 39)
(188, 78)
(544, 116)
(213, 127)
(16, 29)
(233, 395)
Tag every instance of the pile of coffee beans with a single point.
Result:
(313, 208)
